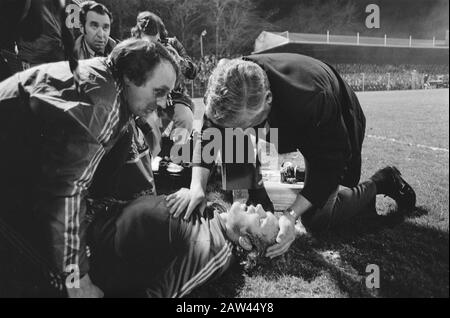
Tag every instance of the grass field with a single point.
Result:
(409, 129)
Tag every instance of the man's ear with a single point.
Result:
(245, 243)
(269, 97)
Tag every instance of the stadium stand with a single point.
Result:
(366, 63)
(355, 49)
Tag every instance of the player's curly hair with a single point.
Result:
(248, 259)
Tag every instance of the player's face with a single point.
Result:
(144, 100)
(254, 221)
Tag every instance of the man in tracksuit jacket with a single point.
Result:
(53, 134)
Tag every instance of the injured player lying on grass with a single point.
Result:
(139, 246)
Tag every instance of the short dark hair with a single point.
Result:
(134, 58)
(99, 8)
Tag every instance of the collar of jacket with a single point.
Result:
(87, 48)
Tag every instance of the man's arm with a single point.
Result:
(300, 206)
(195, 196)
(69, 158)
(191, 198)
(188, 67)
(199, 181)
(324, 159)
(328, 150)
(287, 233)
(72, 148)
(200, 177)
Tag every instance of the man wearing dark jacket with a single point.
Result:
(54, 135)
(95, 21)
(314, 111)
(36, 27)
(49, 46)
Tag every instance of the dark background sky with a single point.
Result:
(235, 28)
(420, 18)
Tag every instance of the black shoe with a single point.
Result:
(389, 182)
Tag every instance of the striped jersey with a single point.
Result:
(192, 253)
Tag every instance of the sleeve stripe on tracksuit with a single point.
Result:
(211, 267)
(73, 204)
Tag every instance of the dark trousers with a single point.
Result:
(347, 201)
(342, 205)
(129, 244)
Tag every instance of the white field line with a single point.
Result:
(408, 143)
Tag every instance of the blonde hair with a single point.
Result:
(236, 92)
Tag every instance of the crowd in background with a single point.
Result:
(361, 77)
(372, 77)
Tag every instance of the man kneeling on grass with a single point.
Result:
(139, 246)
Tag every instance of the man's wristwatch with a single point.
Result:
(291, 213)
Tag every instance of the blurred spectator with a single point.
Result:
(95, 41)
(390, 77)
(48, 47)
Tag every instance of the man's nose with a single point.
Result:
(162, 102)
(101, 33)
